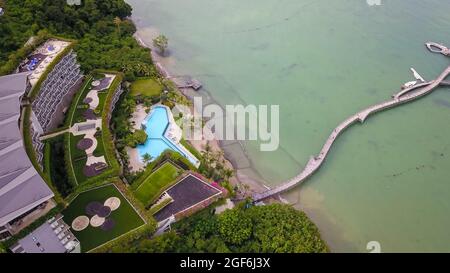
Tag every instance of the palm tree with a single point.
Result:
(227, 173)
(147, 158)
(117, 22)
(161, 42)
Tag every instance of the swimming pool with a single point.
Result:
(156, 125)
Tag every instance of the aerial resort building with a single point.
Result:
(58, 158)
(46, 80)
(24, 195)
(52, 93)
(54, 236)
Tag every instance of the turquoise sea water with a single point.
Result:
(387, 180)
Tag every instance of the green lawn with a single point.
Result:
(146, 87)
(125, 217)
(101, 97)
(156, 183)
(81, 107)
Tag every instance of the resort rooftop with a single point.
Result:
(21, 187)
(54, 236)
(189, 192)
(41, 58)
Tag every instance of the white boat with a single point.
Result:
(417, 75)
(409, 84)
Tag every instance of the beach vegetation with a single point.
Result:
(162, 43)
(147, 158)
(213, 165)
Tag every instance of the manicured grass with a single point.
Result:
(125, 217)
(81, 107)
(156, 183)
(102, 98)
(100, 150)
(76, 155)
(146, 87)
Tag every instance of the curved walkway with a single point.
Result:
(316, 162)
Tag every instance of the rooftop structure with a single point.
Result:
(56, 90)
(22, 190)
(54, 236)
(190, 194)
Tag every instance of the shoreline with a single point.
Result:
(253, 185)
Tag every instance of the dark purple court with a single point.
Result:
(89, 114)
(94, 169)
(103, 84)
(85, 144)
(186, 193)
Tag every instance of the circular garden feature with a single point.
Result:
(113, 203)
(104, 212)
(89, 114)
(85, 144)
(93, 207)
(80, 223)
(108, 224)
(97, 221)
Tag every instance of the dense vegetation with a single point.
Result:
(213, 165)
(58, 172)
(136, 138)
(273, 228)
(101, 27)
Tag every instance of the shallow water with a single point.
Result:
(321, 61)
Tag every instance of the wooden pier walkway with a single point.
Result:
(438, 48)
(190, 83)
(399, 98)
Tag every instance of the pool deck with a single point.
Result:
(172, 136)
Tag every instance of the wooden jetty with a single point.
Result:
(404, 96)
(190, 83)
(438, 48)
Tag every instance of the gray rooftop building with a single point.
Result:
(23, 193)
(54, 236)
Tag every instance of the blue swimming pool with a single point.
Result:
(155, 126)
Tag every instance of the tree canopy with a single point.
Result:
(102, 28)
(273, 228)
(161, 42)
